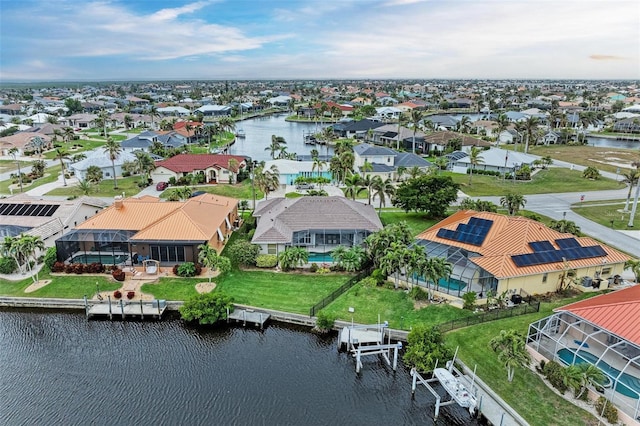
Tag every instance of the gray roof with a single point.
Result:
(279, 218)
(381, 168)
(145, 140)
(409, 159)
(366, 149)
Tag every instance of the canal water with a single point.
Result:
(59, 368)
(258, 132)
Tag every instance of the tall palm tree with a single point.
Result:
(382, 188)
(530, 126)
(11, 248)
(415, 119)
(402, 120)
(62, 154)
(267, 180)
(631, 178)
(103, 117)
(512, 202)
(144, 164)
(475, 158)
(153, 113)
(29, 246)
(502, 124)
(113, 150)
(354, 186)
(318, 165)
(464, 124)
(14, 153)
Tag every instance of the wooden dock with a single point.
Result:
(353, 336)
(130, 309)
(248, 316)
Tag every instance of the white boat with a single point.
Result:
(456, 389)
(240, 133)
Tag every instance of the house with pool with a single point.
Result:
(319, 224)
(132, 230)
(516, 255)
(290, 170)
(602, 331)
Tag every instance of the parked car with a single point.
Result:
(161, 186)
(196, 193)
(305, 186)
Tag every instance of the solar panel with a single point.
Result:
(567, 243)
(42, 210)
(473, 232)
(539, 246)
(572, 251)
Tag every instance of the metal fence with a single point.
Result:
(524, 308)
(339, 291)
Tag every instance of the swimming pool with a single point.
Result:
(627, 385)
(320, 258)
(451, 284)
(105, 259)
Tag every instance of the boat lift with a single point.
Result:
(363, 340)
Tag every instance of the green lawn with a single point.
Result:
(74, 147)
(609, 213)
(598, 157)
(240, 191)
(64, 286)
(128, 185)
(290, 292)
(547, 181)
(527, 394)
(417, 222)
(394, 306)
(50, 175)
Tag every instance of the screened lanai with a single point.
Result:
(465, 276)
(324, 240)
(106, 246)
(570, 339)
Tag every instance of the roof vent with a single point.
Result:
(118, 202)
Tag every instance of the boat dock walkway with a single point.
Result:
(248, 316)
(129, 309)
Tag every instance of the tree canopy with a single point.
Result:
(429, 194)
(207, 308)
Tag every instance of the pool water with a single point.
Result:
(627, 385)
(320, 258)
(105, 259)
(452, 284)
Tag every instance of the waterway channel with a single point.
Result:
(59, 368)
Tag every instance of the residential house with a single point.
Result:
(214, 110)
(552, 137)
(144, 141)
(388, 113)
(11, 109)
(514, 255)
(99, 159)
(134, 229)
(627, 125)
(174, 110)
(509, 136)
(495, 160)
(319, 224)
(82, 121)
(355, 129)
(392, 135)
(290, 170)
(438, 141)
(442, 122)
(602, 331)
(216, 168)
(381, 161)
(25, 142)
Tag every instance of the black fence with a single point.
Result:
(526, 307)
(339, 291)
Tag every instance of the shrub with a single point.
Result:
(368, 282)
(94, 268)
(58, 267)
(117, 294)
(313, 267)
(553, 371)
(206, 308)
(416, 293)
(7, 265)
(266, 260)
(187, 269)
(77, 268)
(469, 300)
(610, 411)
(131, 294)
(243, 253)
(118, 274)
(379, 276)
(324, 322)
(50, 257)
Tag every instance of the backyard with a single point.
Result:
(128, 186)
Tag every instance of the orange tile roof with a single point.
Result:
(511, 235)
(617, 312)
(196, 219)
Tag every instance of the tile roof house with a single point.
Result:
(215, 167)
(602, 331)
(438, 140)
(319, 224)
(385, 161)
(167, 231)
(25, 142)
(491, 251)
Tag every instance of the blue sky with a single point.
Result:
(280, 39)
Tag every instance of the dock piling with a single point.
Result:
(86, 306)
(122, 308)
(110, 312)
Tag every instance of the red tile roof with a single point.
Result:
(617, 312)
(511, 235)
(185, 163)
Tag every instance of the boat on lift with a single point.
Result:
(240, 134)
(455, 388)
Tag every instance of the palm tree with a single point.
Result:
(85, 187)
(14, 153)
(317, 165)
(382, 190)
(402, 120)
(113, 150)
(62, 154)
(415, 119)
(29, 245)
(353, 186)
(565, 226)
(511, 349)
(512, 202)
(208, 257)
(353, 258)
(267, 180)
(590, 375)
(475, 158)
(11, 248)
(153, 112)
(434, 269)
(502, 124)
(275, 146)
(68, 134)
(631, 178)
(633, 264)
(103, 117)
(530, 126)
(400, 171)
(128, 121)
(464, 124)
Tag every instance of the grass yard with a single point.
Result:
(289, 292)
(417, 222)
(394, 306)
(50, 175)
(527, 394)
(62, 286)
(128, 185)
(602, 158)
(241, 191)
(547, 181)
(609, 213)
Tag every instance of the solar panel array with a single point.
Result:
(43, 210)
(545, 252)
(473, 232)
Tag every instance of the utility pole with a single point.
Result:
(635, 205)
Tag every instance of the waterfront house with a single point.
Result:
(133, 229)
(290, 170)
(384, 162)
(355, 129)
(514, 254)
(495, 160)
(602, 331)
(319, 224)
(438, 141)
(145, 141)
(217, 168)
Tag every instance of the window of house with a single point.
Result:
(272, 249)
(544, 277)
(606, 271)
